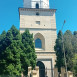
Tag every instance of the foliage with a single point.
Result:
(70, 48)
(74, 59)
(2, 41)
(16, 52)
(29, 51)
(74, 41)
(59, 52)
(10, 55)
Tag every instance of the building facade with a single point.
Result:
(40, 20)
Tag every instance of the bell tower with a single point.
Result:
(40, 20)
(33, 3)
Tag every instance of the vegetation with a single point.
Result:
(28, 57)
(70, 47)
(59, 52)
(16, 52)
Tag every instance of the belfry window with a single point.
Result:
(38, 43)
(37, 6)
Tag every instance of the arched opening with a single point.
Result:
(37, 5)
(38, 43)
(41, 69)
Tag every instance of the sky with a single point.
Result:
(66, 10)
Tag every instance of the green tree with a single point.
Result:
(28, 55)
(74, 42)
(68, 48)
(2, 41)
(17, 52)
(59, 52)
(74, 59)
(10, 57)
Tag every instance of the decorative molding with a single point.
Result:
(54, 29)
(50, 59)
(45, 53)
(34, 9)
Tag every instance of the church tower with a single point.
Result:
(40, 20)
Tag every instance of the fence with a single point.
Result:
(40, 72)
(63, 73)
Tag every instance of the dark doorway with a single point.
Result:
(41, 69)
(37, 5)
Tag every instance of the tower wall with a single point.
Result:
(45, 30)
(47, 26)
(32, 3)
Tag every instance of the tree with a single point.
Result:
(28, 55)
(74, 42)
(59, 52)
(74, 59)
(68, 48)
(10, 57)
(2, 41)
(17, 52)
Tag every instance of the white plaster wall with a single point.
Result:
(32, 3)
(45, 3)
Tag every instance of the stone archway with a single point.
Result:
(41, 69)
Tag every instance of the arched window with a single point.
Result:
(37, 5)
(38, 43)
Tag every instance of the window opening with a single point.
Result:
(37, 13)
(38, 43)
(37, 5)
(38, 22)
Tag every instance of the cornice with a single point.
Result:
(40, 28)
(45, 52)
(34, 9)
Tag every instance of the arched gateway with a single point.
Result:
(41, 69)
